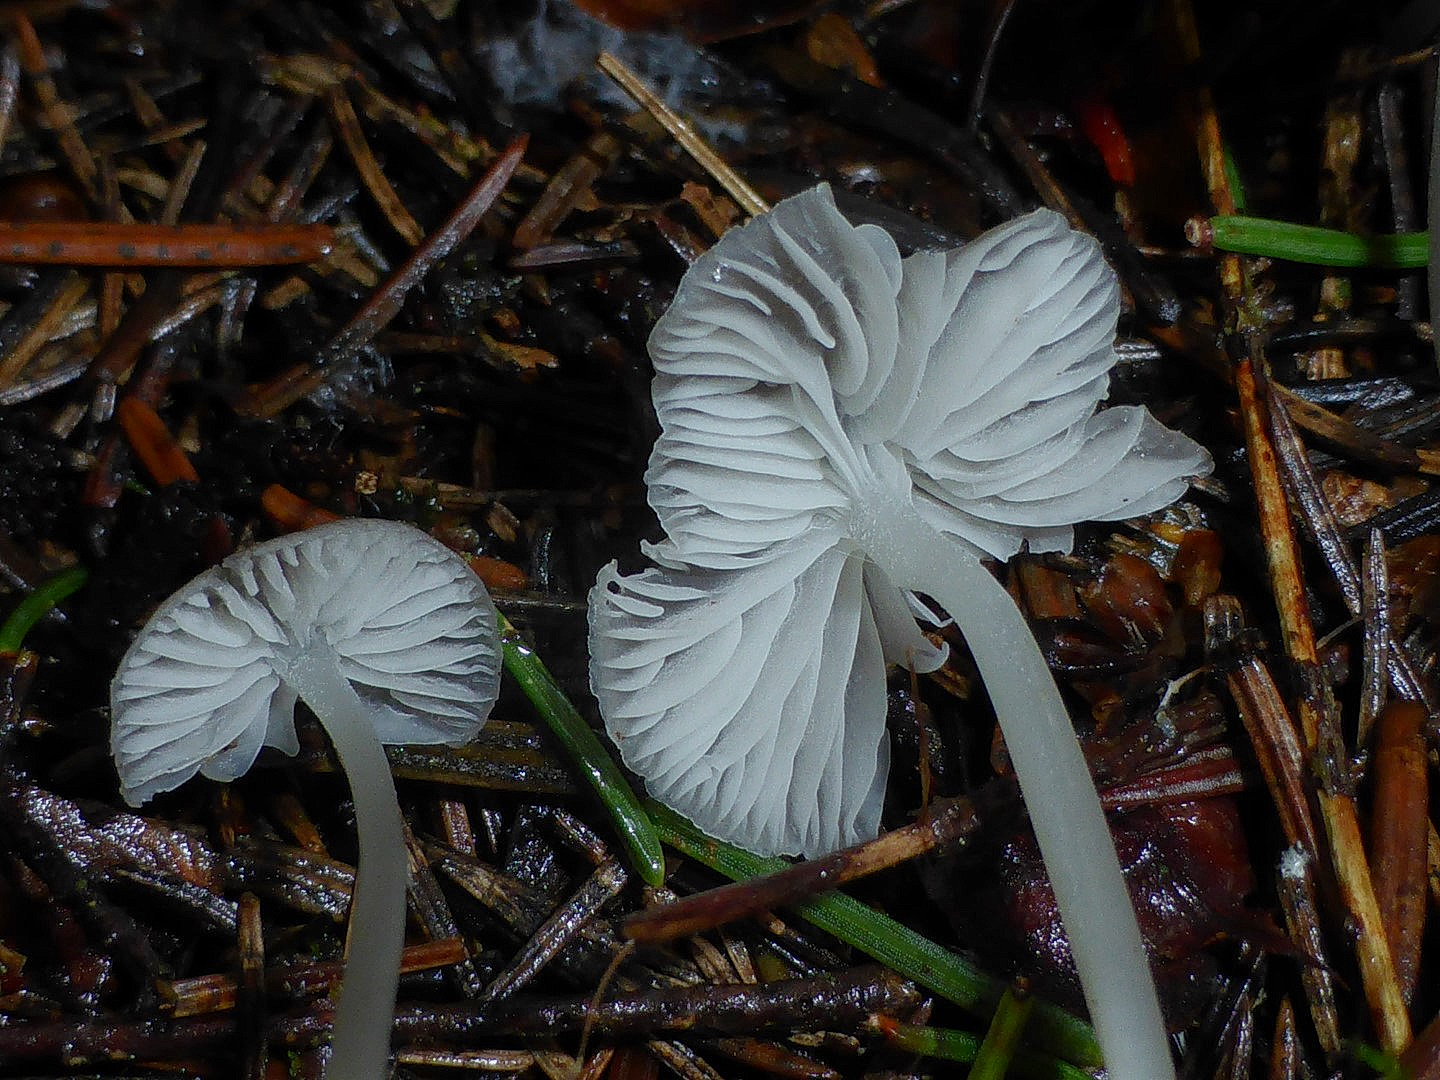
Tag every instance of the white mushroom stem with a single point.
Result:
(1055, 781)
(360, 1042)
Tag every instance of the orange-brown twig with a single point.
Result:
(59, 114)
(43, 331)
(347, 124)
(118, 244)
(216, 993)
(497, 573)
(683, 132)
(289, 512)
(153, 444)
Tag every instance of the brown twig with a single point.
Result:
(347, 125)
(384, 303)
(1281, 756)
(1315, 713)
(250, 995)
(569, 187)
(1285, 1048)
(43, 330)
(842, 1000)
(1337, 806)
(684, 133)
(58, 114)
(217, 993)
(1354, 440)
(1318, 519)
(952, 825)
(1376, 644)
(564, 923)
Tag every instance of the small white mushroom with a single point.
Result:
(841, 429)
(386, 635)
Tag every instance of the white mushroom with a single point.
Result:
(386, 635)
(843, 428)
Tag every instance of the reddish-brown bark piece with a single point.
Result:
(1398, 830)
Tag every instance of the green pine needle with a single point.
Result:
(584, 747)
(1314, 245)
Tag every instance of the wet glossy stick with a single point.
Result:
(912, 955)
(951, 825)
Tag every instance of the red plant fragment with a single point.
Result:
(1102, 127)
(699, 20)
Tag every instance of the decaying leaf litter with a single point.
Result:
(395, 318)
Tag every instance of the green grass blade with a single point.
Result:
(37, 605)
(637, 833)
(950, 1045)
(1002, 1040)
(1386, 1066)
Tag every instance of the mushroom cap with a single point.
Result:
(815, 390)
(752, 700)
(203, 686)
(803, 360)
